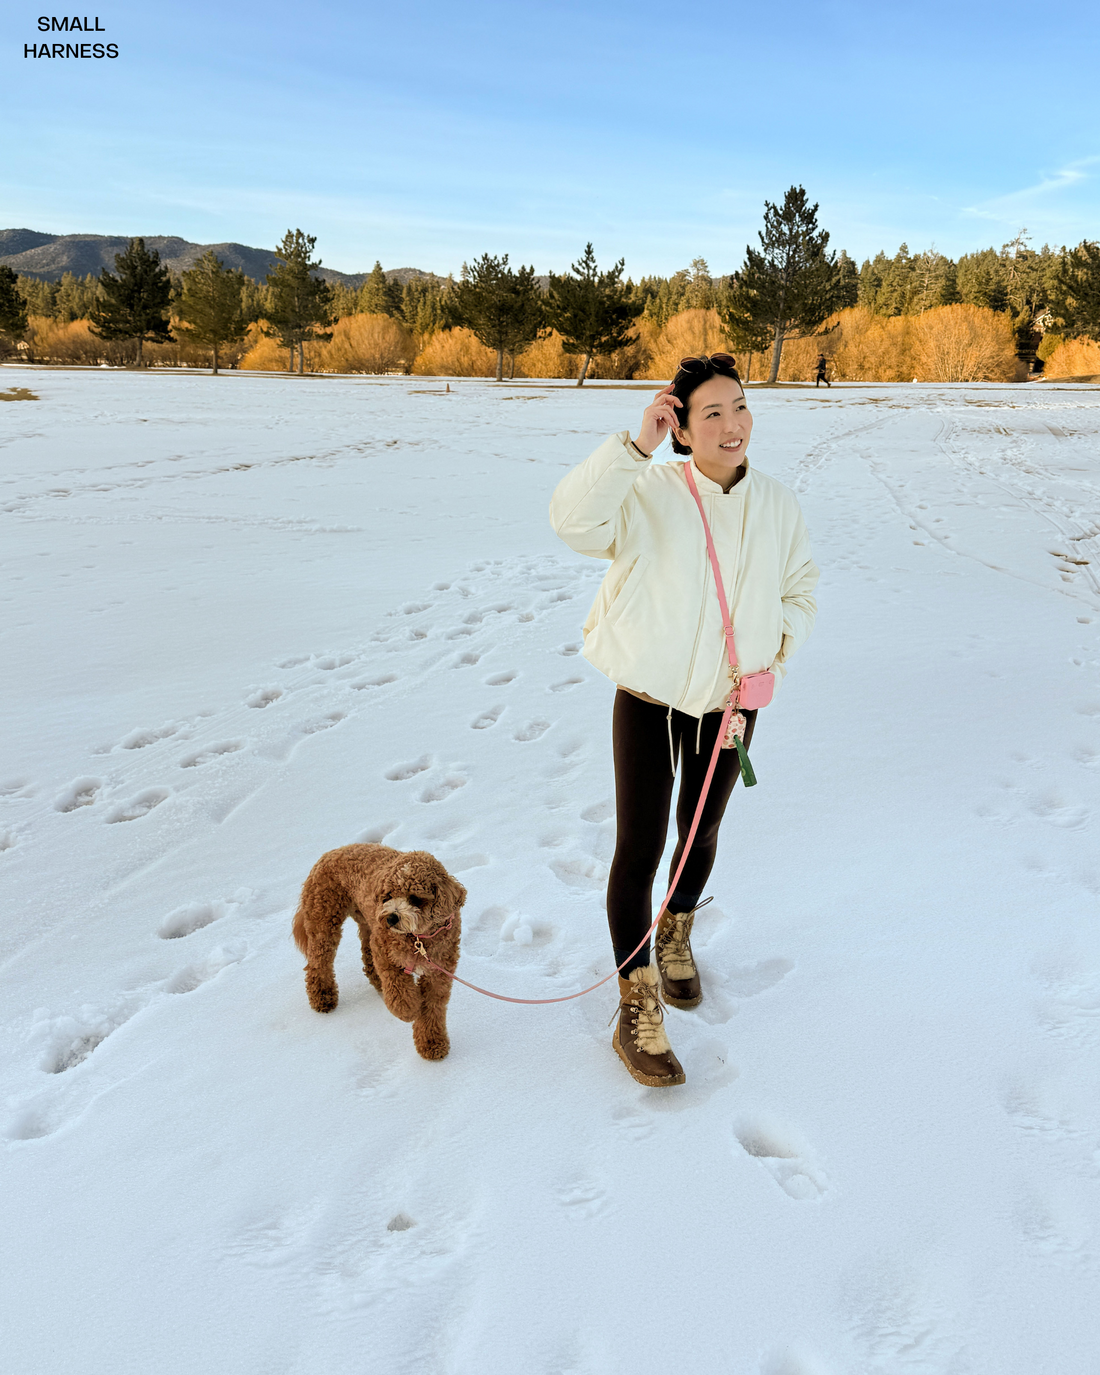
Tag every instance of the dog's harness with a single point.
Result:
(418, 938)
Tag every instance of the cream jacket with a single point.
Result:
(655, 625)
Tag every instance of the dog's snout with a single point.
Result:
(392, 919)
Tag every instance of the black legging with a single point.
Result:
(643, 795)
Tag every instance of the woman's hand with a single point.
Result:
(657, 420)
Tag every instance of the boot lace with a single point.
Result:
(646, 1017)
(674, 947)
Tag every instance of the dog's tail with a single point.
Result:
(301, 939)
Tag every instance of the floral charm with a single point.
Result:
(735, 730)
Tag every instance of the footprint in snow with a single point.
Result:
(500, 679)
(193, 976)
(204, 756)
(783, 1155)
(191, 917)
(1053, 808)
(16, 787)
(599, 811)
(583, 1199)
(580, 872)
(443, 788)
(487, 718)
(569, 650)
(467, 660)
(566, 684)
(81, 792)
(379, 680)
(531, 730)
(263, 697)
(138, 806)
(376, 834)
(400, 772)
(142, 737)
(320, 723)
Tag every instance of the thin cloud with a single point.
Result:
(1009, 206)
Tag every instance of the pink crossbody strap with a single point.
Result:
(727, 624)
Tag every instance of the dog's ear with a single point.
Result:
(452, 895)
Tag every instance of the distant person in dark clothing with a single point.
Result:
(822, 366)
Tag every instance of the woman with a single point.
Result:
(655, 630)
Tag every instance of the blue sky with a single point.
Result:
(426, 133)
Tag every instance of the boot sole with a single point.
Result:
(651, 1081)
(684, 1003)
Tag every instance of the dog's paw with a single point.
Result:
(431, 1045)
(323, 997)
(403, 1007)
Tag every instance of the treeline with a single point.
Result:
(791, 293)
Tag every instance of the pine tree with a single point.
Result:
(591, 310)
(792, 284)
(895, 296)
(299, 303)
(422, 306)
(848, 281)
(345, 300)
(746, 335)
(871, 276)
(13, 308)
(210, 304)
(502, 308)
(134, 304)
(378, 295)
(700, 289)
(75, 297)
(980, 278)
(1075, 298)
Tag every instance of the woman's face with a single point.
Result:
(718, 424)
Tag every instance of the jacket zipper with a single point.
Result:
(698, 633)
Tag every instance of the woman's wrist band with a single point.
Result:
(640, 452)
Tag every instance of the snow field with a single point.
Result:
(247, 620)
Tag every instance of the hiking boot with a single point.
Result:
(680, 985)
(640, 1035)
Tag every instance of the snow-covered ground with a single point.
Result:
(247, 619)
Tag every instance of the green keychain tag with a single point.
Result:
(747, 775)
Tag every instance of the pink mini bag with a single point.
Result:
(754, 690)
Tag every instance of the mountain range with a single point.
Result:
(49, 256)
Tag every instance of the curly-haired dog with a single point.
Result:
(395, 897)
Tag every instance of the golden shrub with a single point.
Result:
(456, 353)
(51, 341)
(865, 347)
(547, 358)
(367, 343)
(263, 354)
(690, 332)
(963, 343)
(1074, 358)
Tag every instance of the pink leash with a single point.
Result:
(418, 943)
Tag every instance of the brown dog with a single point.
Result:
(398, 899)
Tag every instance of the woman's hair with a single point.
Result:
(685, 382)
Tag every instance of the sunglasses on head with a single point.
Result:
(720, 362)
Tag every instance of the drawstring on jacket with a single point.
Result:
(672, 748)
